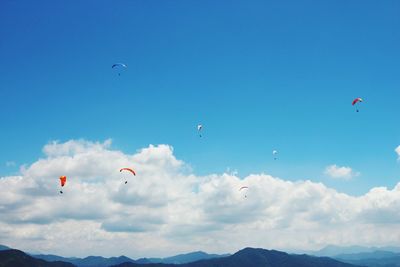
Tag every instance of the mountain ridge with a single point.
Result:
(333, 250)
(255, 257)
(99, 261)
(372, 259)
(17, 258)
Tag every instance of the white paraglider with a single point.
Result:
(275, 154)
(199, 129)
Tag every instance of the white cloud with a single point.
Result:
(398, 152)
(165, 209)
(335, 171)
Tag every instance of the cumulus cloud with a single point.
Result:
(338, 172)
(398, 152)
(166, 209)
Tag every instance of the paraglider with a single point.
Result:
(275, 154)
(63, 180)
(356, 102)
(244, 188)
(119, 67)
(199, 128)
(129, 170)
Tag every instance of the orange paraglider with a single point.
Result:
(63, 180)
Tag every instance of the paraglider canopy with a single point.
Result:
(199, 128)
(244, 187)
(275, 153)
(357, 100)
(63, 180)
(119, 66)
(129, 170)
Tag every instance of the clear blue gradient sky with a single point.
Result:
(259, 75)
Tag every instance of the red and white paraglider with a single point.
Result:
(356, 102)
(129, 170)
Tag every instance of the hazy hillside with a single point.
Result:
(184, 258)
(368, 255)
(250, 257)
(91, 261)
(16, 258)
(334, 251)
(2, 247)
(97, 261)
(372, 259)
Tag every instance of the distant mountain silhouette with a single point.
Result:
(143, 261)
(96, 261)
(16, 258)
(368, 255)
(372, 259)
(184, 258)
(333, 251)
(252, 257)
(52, 258)
(91, 261)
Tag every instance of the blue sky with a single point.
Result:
(258, 75)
